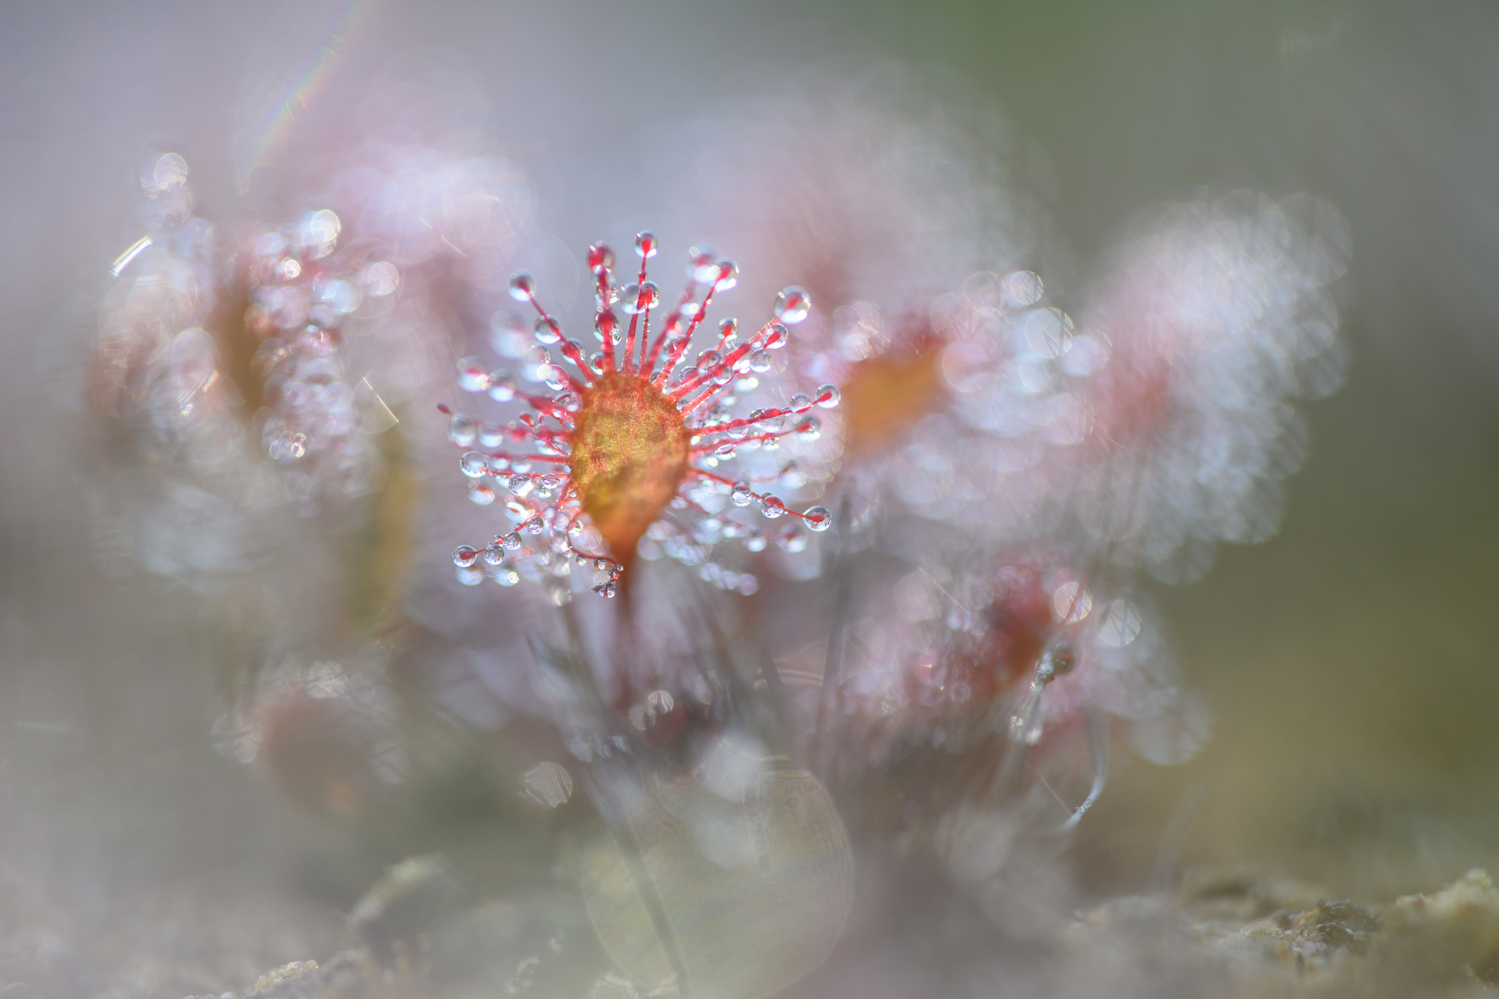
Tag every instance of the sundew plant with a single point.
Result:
(636, 431)
(860, 609)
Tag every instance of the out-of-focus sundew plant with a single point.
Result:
(507, 621)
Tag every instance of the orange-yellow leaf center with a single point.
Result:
(630, 452)
(884, 396)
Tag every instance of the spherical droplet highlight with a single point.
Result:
(792, 305)
(522, 286)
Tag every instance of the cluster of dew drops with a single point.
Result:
(508, 557)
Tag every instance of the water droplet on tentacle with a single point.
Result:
(792, 305)
(522, 286)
